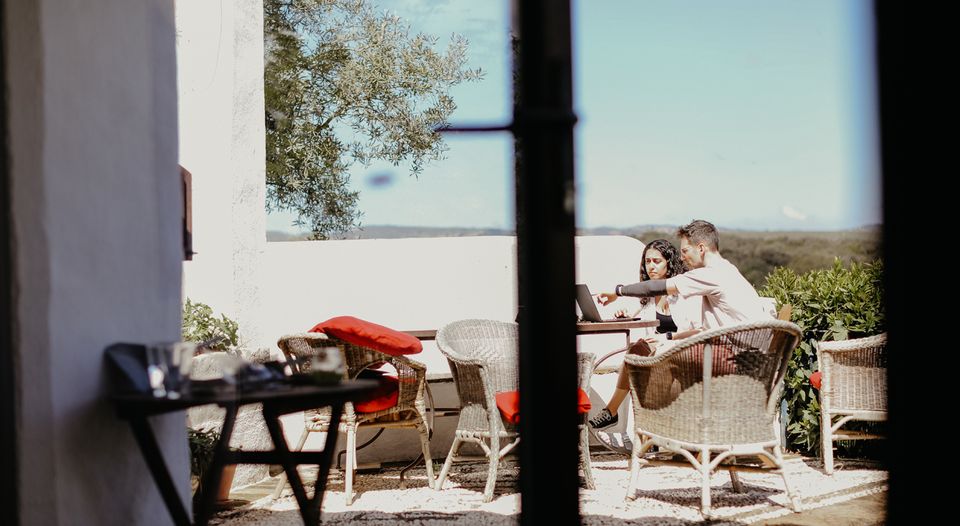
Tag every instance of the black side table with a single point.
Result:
(278, 398)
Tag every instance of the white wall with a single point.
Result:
(222, 137)
(96, 218)
(420, 283)
(424, 283)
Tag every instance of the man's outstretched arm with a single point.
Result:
(642, 289)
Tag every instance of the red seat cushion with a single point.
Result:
(383, 397)
(816, 379)
(367, 334)
(508, 402)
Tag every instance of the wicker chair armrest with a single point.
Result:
(706, 336)
(409, 362)
(303, 335)
(397, 362)
(856, 344)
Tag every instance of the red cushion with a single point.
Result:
(816, 379)
(367, 334)
(383, 397)
(508, 402)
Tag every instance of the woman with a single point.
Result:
(660, 260)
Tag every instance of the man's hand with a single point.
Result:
(622, 313)
(606, 298)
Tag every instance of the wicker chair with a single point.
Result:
(711, 398)
(483, 360)
(407, 413)
(584, 373)
(853, 387)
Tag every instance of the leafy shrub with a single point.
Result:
(200, 325)
(833, 304)
(202, 446)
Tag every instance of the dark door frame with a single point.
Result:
(910, 161)
(543, 122)
(9, 496)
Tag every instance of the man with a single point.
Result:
(728, 297)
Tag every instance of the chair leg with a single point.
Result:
(425, 446)
(791, 495)
(705, 485)
(634, 472)
(351, 464)
(457, 441)
(826, 441)
(585, 457)
(735, 481)
(283, 479)
(494, 456)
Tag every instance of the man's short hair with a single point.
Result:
(700, 231)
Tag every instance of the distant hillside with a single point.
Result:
(755, 253)
(398, 232)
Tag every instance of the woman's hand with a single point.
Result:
(622, 313)
(655, 341)
(606, 298)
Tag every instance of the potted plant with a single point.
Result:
(203, 443)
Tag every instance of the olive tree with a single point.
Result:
(347, 84)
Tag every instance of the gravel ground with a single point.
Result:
(666, 495)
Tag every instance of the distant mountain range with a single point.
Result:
(398, 232)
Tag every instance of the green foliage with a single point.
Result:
(200, 325)
(832, 304)
(202, 445)
(345, 84)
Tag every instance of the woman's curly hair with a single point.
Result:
(670, 254)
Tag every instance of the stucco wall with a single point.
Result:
(96, 212)
(424, 283)
(421, 283)
(222, 137)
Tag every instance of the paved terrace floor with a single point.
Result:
(854, 495)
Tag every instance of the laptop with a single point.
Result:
(588, 307)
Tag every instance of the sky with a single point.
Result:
(750, 114)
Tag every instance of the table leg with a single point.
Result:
(211, 479)
(158, 468)
(309, 508)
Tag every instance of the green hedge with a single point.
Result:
(834, 304)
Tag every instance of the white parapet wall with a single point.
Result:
(423, 283)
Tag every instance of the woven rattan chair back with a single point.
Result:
(714, 393)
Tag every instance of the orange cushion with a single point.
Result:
(383, 397)
(816, 379)
(508, 402)
(367, 334)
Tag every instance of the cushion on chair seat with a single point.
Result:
(383, 397)
(724, 360)
(508, 402)
(816, 379)
(368, 334)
